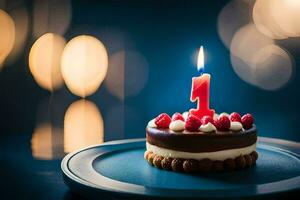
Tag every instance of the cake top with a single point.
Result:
(187, 123)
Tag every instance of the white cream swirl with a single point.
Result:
(209, 127)
(224, 114)
(236, 126)
(185, 115)
(177, 125)
(152, 124)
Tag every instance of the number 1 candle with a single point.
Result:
(200, 90)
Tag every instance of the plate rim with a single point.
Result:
(67, 173)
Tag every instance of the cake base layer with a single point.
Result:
(217, 155)
(204, 165)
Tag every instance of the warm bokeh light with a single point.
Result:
(273, 67)
(84, 65)
(247, 41)
(127, 74)
(200, 60)
(287, 15)
(45, 60)
(277, 19)
(254, 56)
(83, 126)
(115, 80)
(21, 19)
(7, 35)
(51, 16)
(233, 16)
(46, 141)
(257, 60)
(264, 20)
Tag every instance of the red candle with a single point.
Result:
(200, 91)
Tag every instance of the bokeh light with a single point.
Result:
(248, 28)
(287, 14)
(7, 35)
(246, 41)
(232, 17)
(273, 67)
(264, 20)
(127, 74)
(257, 60)
(277, 19)
(115, 80)
(83, 126)
(45, 142)
(51, 16)
(84, 65)
(45, 60)
(21, 19)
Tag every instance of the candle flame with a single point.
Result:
(200, 62)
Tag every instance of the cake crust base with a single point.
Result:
(204, 165)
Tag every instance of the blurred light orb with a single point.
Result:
(273, 67)
(286, 13)
(7, 35)
(51, 16)
(83, 126)
(45, 139)
(277, 19)
(115, 80)
(21, 19)
(45, 59)
(84, 65)
(257, 60)
(265, 22)
(247, 41)
(127, 75)
(234, 15)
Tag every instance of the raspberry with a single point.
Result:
(192, 123)
(235, 117)
(207, 119)
(222, 123)
(247, 121)
(177, 116)
(163, 120)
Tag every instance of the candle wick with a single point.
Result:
(201, 70)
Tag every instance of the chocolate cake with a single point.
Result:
(187, 144)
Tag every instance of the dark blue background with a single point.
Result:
(167, 34)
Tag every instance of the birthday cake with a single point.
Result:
(186, 143)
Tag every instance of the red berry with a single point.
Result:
(222, 123)
(163, 120)
(177, 116)
(192, 123)
(207, 119)
(235, 117)
(247, 121)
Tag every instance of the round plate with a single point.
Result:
(118, 168)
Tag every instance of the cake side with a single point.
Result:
(200, 141)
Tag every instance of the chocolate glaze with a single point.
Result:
(197, 142)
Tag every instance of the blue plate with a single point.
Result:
(118, 169)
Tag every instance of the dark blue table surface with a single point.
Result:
(25, 177)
